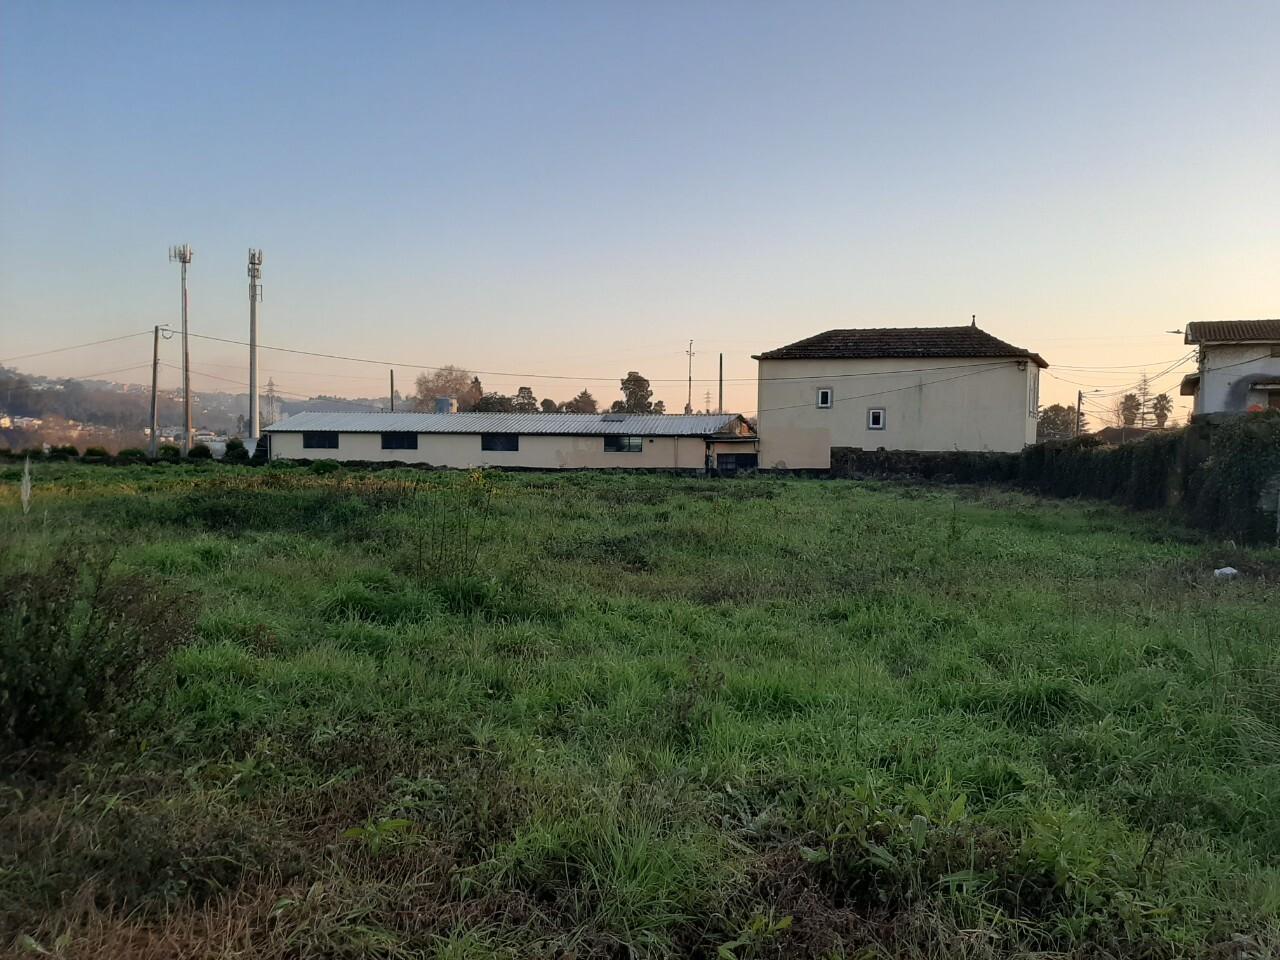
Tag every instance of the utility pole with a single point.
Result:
(255, 297)
(720, 406)
(393, 391)
(688, 406)
(155, 376)
(1079, 412)
(182, 254)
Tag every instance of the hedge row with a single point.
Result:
(1224, 476)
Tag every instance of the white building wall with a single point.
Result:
(543, 452)
(939, 405)
(1223, 364)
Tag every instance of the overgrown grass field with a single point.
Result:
(306, 712)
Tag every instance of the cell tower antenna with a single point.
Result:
(255, 298)
(182, 254)
(688, 406)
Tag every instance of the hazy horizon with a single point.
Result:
(579, 190)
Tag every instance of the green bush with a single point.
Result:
(74, 641)
(63, 452)
(199, 451)
(99, 453)
(169, 451)
(132, 453)
(322, 467)
(236, 452)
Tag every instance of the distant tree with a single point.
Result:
(471, 396)
(524, 401)
(1057, 422)
(549, 405)
(582, 403)
(1130, 409)
(637, 397)
(1161, 407)
(494, 403)
(447, 381)
(1144, 400)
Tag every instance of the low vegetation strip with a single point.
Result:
(1223, 477)
(288, 713)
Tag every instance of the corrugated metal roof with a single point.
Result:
(1233, 331)
(899, 343)
(559, 424)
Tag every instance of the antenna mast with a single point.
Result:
(182, 254)
(255, 298)
(688, 406)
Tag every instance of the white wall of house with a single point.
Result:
(1222, 365)
(543, 452)
(939, 405)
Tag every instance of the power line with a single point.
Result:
(74, 346)
(588, 379)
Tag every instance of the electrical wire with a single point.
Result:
(74, 346)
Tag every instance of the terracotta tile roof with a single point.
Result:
(1233, 331)
(900, 343)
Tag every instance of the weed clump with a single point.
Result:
(75, 639)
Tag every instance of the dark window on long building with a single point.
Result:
(618, 444)
(400, 440)
(500, 441)
(319, 440)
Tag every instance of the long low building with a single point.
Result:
(546, 441)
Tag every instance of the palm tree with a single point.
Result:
(1130, 407)
(1161, 407)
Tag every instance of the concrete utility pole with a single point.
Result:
(688, 406)
(155, 376)
(255, 297)
(182, 254)
(393, 391)
(720, 406)
(1079, 412)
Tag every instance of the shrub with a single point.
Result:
(261, 452)
(132, 453)
(63, 452)
(169, 451)
(74, 642)
(98, 453)
(236, 452)
(199, 451)
(322, 467)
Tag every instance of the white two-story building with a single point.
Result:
(1239, 366)
(897, 388)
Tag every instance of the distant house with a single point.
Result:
(1239, 366)
(897, 388)
(545, 441)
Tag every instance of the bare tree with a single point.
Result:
(446, 381)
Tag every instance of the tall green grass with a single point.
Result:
(608, 715)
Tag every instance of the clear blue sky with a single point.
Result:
(580, 188)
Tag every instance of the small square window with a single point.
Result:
(824, 398)
(875, 418)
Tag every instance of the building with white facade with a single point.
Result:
(898, 388)
(546, 441)
(1238, 366)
